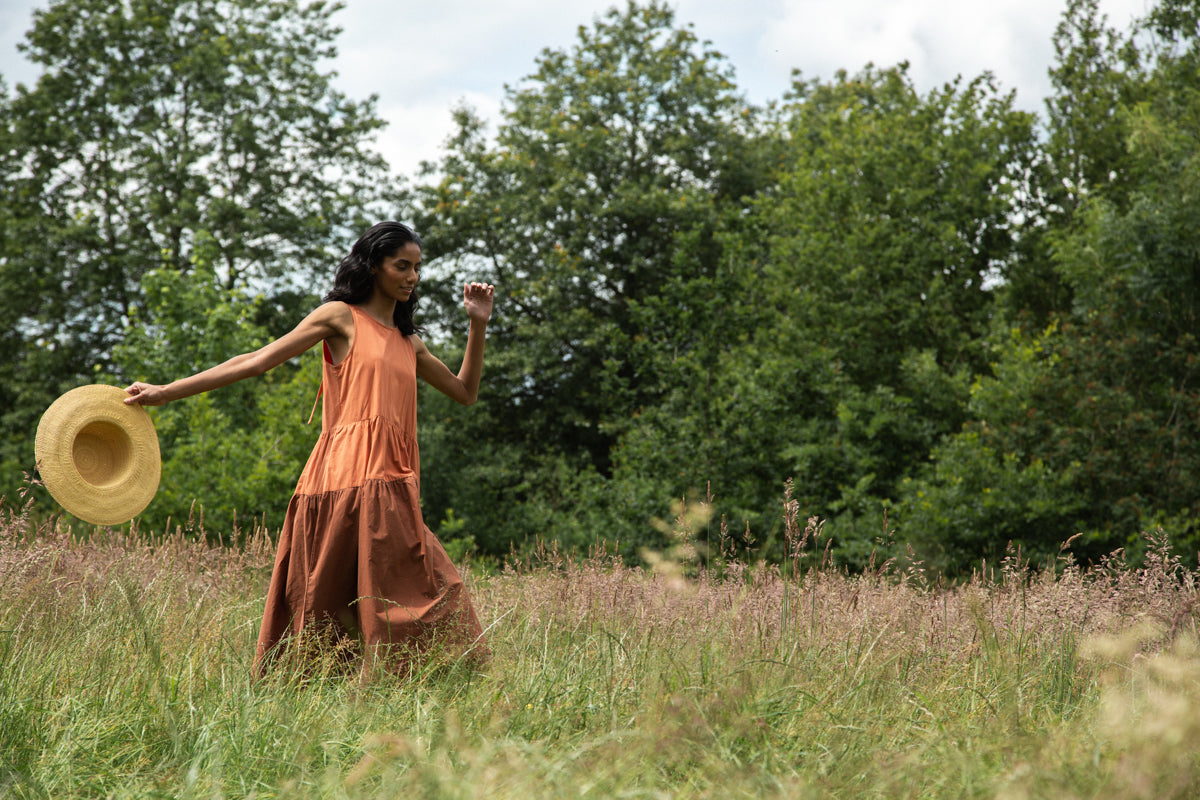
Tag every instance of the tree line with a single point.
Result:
(951, 325)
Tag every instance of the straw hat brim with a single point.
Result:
(97, 456)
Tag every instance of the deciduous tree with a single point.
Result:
(606, 155)
(1090, 426)
(154, 125)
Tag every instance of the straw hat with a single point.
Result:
(98, 456)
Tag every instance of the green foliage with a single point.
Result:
(830, 319)
(232, 454)
(1091, 426)
(932, 314)
(157, 129)
(607, 156)
(1096, 80)
(892, 213)
(1073, 435)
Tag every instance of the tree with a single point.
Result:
(893, 214)
(155, 126)
(1090, 426)
(1095, 79)
(230, 457)
(607, 155)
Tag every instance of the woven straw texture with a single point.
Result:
(97, 456)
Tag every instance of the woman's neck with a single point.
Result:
(382, 309)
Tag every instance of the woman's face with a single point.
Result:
(397, 275)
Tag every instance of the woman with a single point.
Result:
(355, 557)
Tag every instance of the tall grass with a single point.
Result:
(125, 671)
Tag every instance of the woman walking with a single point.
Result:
(355, 557)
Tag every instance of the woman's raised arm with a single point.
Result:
(326, 321)
(463, 387)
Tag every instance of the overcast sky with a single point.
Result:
(423, 58)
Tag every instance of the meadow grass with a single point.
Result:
(126, 672)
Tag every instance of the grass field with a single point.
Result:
(125, 671)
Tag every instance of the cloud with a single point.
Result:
(417, 130)
(469, 45)
(422, 59)
(940, 39)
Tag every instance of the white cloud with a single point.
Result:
(422, 59)
(417, 130)
(941, 39)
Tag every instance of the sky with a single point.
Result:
(422, 59)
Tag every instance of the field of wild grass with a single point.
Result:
(125, 672)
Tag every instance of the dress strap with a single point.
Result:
(321, 385)
(317, 399)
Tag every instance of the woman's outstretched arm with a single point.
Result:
(326, 321)
(463, 387)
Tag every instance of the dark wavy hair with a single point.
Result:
(355, 278)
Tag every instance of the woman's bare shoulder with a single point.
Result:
(334, 315)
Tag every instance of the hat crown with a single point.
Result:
(97, 455)
(103, 454)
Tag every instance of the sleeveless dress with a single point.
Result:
(354, 551)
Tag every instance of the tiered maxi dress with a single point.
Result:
(354, 550)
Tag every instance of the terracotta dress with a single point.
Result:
(355, 554)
